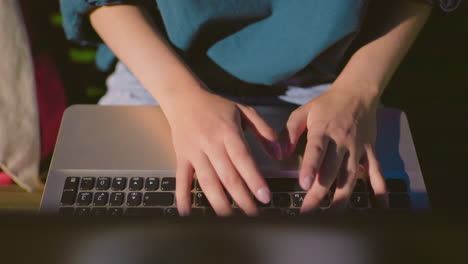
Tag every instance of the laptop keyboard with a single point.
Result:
(155, 196)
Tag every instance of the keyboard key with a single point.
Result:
(66, 211)
(99, 211)
(134, 199)
(283, 184)
(271, 212)
(152, 184)
(360, 186)
(82, 211)
(399, 201)
(281, 200)
(396, 185)
(71, 183)
(201, 201)
(84, 198)
(103, 184)
(292, 212)
(119, 183)
(87, 183)
(359, 200)
(298, 198)
(117, 198)
(171, 212)
(168, 184)
(68, 197)
(115, 212)
(136, 184)
(198, 187)
(158, 199)
(144, 212)
(100, 198)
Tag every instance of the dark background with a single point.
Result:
(431, 86)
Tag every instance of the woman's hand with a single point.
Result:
(341, 133)
(208, 139)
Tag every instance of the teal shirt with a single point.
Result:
(260, 42)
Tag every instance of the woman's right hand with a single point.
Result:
(208, 138)
(206, 129)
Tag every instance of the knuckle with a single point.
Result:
(181, 162)
(291, 124)
(318, 149)
(352, 173)
(210, 142)
(341, 138)
(292, 120)
(345, 135)
(239, 152)
(294, 114)
(224, 127)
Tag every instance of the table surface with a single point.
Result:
(13, 198)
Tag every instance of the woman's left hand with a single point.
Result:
(341, 134)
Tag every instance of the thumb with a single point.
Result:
(295, 126)
(264, 132)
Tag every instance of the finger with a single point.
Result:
(245, 165)
(314, 153)
(376, 178)
(346, 181)
(232, 182)
(262, 130)
(212, 187)
(184, 178)
(327, 174)
(295, 127)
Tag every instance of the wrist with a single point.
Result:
(367, 92)
(180, 99)
(176, 89)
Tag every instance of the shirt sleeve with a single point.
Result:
(446, 5)
(76, 22)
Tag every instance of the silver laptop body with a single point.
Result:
(135, 141)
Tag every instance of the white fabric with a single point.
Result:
(300, 96)
(19, 121)
(123, 88)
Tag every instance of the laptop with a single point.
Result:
(119, 160)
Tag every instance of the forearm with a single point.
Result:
(372, 65)
(136, 42)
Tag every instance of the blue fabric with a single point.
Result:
(262, 42)
(279, 46)
(78, 28)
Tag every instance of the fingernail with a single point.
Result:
(264, 195)
(307, 182)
